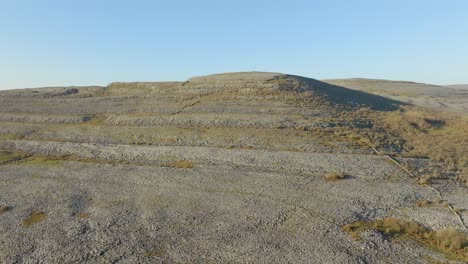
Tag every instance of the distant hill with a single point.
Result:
(55, 91)
(322, 93)
(395, 87)
(458, 86)
(326, 93)
(445, 98)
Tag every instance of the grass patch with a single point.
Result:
(452, 242)
(7, 156)
(36, 176)
(181, 164)
(441, 137)
(149, 254)
(424, 181)
(335, 176)
(95, 120)
(9, 136)
(83, 215)
(424, 203)
(43, 160)
(463, 177)
(157, 252)
(33, 218)
(435, 202)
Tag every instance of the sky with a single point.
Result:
(68, 42)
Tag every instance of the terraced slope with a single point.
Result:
(222, 168)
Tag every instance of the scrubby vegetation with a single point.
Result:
(463, 176)
(181, 164)
(418, 132)
(7, 156)
(33, 218)
(43, 160)
(442, 141)
(435, 202)
(452, 242)
(83, 215)
(335, 176)
(95, 120)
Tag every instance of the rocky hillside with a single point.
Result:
(238, 167)
(444, 98)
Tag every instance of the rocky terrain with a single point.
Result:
(231, 168)
(452, 98)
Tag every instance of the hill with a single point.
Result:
(458, 86)
(236, 167)
(445, 98)
(395, 87)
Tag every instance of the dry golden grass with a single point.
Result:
(439, 136)
(7, 156)
(452, 239)
(435, 202)
(43, 160)
(83, 215)
(9, 136)
(390, 226)
(463, 176)
(452, 242)
(33, 218)
(181, 164)
(335, 176)
(96, 120)
(424, 203)
(424, 181)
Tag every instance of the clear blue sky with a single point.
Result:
(96, 42)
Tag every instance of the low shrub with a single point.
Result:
(335, 176)
(424, 181)
(452, 239)
(441, 137)
(463, 177)
(34, 217)
(181, 164)
(452, 242)
(83, 215)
